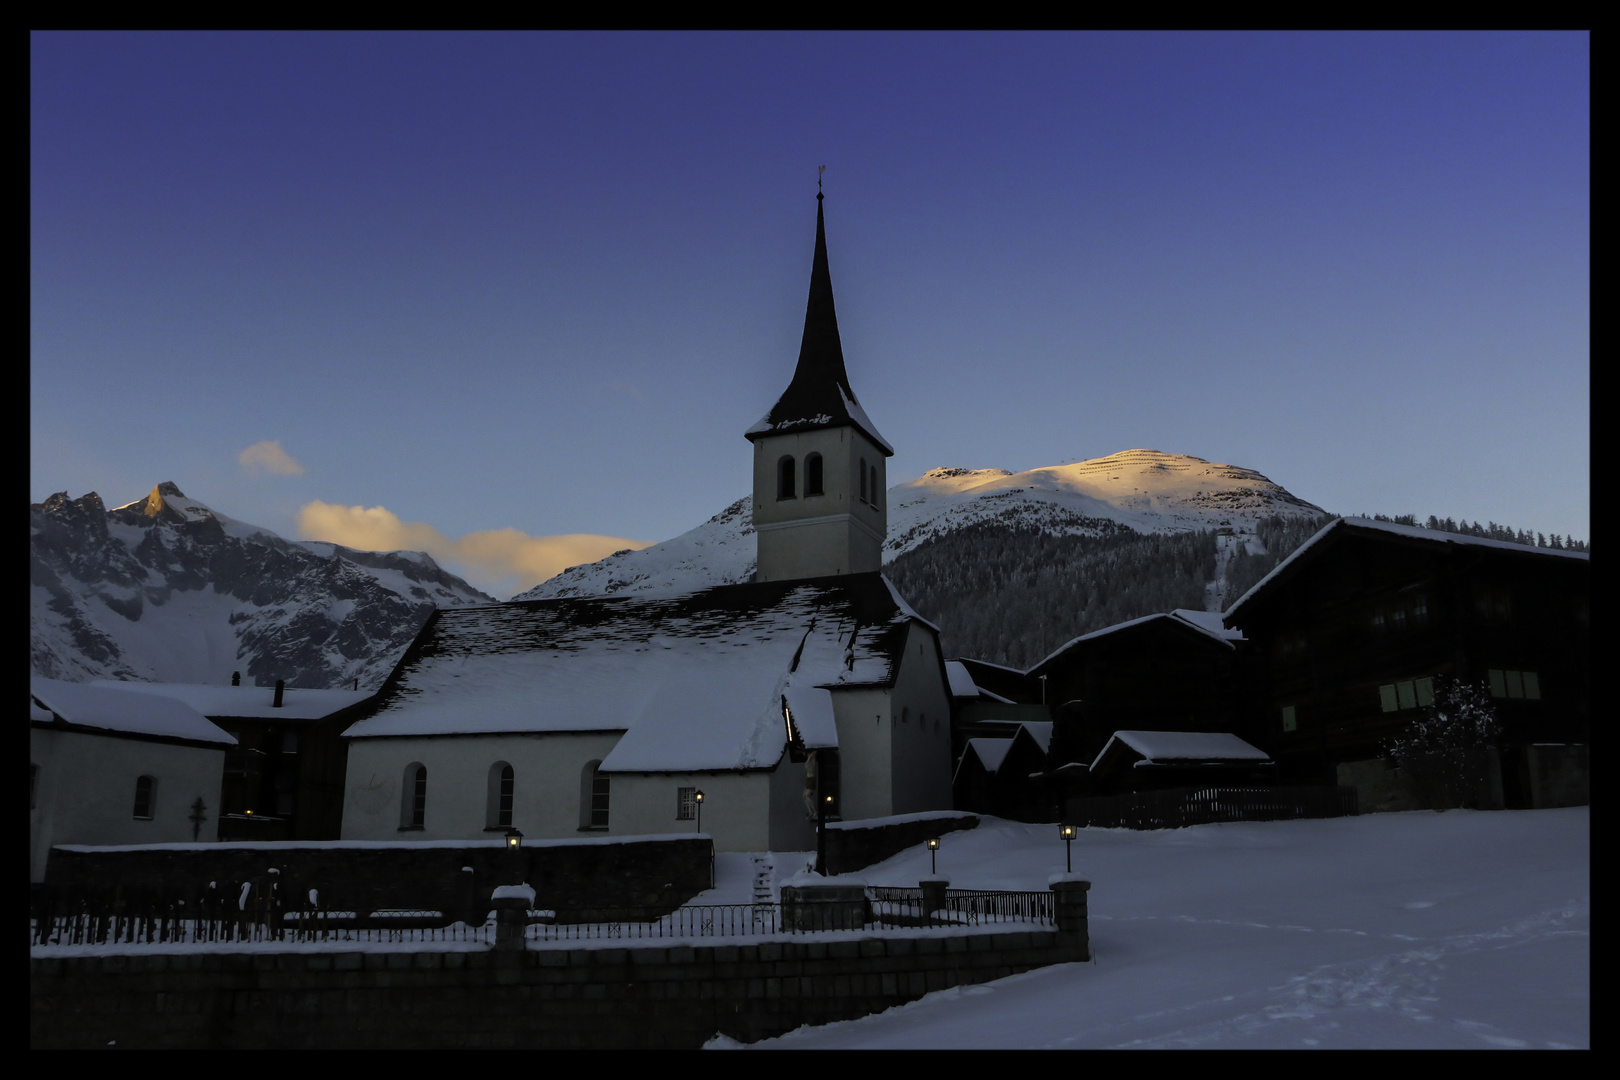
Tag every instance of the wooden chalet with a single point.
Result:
(1353, 628)
(1176, 671)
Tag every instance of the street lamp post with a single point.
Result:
(1068, 833)
(933, 846)
(823, 805)
(697, 797)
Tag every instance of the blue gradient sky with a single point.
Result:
(544, 282)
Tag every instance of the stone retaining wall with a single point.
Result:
(544, 998)
(855, 845)
(655, 874)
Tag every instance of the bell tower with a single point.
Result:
(820, 466)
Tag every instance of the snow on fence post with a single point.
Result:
(511, 904)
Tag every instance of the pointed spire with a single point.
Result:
(819, 395)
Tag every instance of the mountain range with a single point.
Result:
(166, 589)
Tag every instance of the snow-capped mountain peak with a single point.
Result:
(167, 589)
(1144, 491)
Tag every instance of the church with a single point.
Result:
(742, 709)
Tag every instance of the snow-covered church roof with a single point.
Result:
(695, 681)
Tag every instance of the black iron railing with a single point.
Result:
(157, 924)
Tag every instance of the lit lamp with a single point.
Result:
(933, 846)
(1068, 833)
(697, 797)
(822, 809)
(514, 839)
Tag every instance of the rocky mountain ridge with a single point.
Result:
(166, 589)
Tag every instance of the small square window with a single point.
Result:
(1498, 683)
(1386, 698)
(685, 803)
(1407, 694)
(1378, 621)
(1398, 618)
(1515, 684)
(1289, 718)
(1425, 692)
(1420, 609)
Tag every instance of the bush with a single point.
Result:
(1447, 750)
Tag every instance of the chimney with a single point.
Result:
(280, 686)
(236, 678)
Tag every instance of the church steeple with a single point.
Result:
(819, 502)
(819, 395)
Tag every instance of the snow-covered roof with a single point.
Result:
(1165, 747)
(1412, 532)
(695, 682)
(962, 684)
(119, 711)
(248, 701)
(1040, 731)
(1205, 622)
(990, 752)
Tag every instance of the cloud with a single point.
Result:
(495, 560)
(268, 457)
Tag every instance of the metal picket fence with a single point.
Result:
(261, 920)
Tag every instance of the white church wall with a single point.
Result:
(864, 747)
(547, 796)
(85, 791)
(734, 805)
(792, 827)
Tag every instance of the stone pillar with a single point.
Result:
(933, 896)
(1069, 902)
(511, 920)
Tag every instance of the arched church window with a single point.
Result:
(145, 789)
(812, 475)
(502, 785)
(784, 478)
(593, 797)
(863, 479)
(413, 797)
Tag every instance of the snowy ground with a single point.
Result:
(1462, 930)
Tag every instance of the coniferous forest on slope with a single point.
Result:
(1011, 595)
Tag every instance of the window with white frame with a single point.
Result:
(413, 797)
(498, 799)
(685, 803)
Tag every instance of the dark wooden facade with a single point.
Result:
(1015, 789)
(1349, 633)
(1160, 673)
(284, 779)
